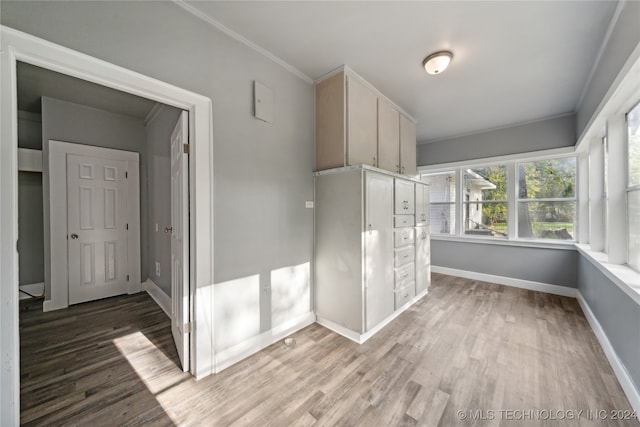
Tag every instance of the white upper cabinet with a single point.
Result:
(388, 136)
(355, 124)
(407, 146)
(362, 133)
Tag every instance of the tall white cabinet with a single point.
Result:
(367, 253)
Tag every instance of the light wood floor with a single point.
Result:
(468, 345)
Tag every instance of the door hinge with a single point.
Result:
(127, 226)
(126, 174)
(185, 148)
(127, 277)
(187, 328)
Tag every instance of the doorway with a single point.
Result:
(17, 46)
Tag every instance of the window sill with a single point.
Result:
(564, 245)
(625, 277)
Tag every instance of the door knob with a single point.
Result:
(168, 230)
(74, 236)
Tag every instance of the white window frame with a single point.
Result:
(510, 162)
(629, 188)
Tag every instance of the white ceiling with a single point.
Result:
(514, 62)
(35, 82)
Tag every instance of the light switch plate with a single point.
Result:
(262, 102)
(308, 204)
(157, 269)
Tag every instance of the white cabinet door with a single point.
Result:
(407, 146)
(422, 204)
(388, 136)
(362, 112)
(404, 197)
(180, 240)
(379, 296)
(423, 259)
(96, 223)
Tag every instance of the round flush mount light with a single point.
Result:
(437, 62)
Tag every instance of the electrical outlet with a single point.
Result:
(157, 269)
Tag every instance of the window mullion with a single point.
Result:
(459, 197)
(512, 197)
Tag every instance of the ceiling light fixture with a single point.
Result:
(437, 62)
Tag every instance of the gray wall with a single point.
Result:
(31, 234)
(551, 266)
(64, 121)
(616, 312)
(542, 135)
(262, 171)
(624, 39)
(159, 194)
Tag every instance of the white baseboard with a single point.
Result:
(361, 338)
(564, 291)
(632, 393)
(240, 351)
(158, 296)
(35, 289)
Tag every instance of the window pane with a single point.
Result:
(443, 218)
(634, 229)
(443, 186)
(547, 220)
(547, 179)
(485, 218)
(633, 124)
(489, 183)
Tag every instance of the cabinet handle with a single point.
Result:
(374, 162)
(403, 169)
(398, 168)
(370, 229)
(424, 235)
(405, 275)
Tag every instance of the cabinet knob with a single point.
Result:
(168, 230)
(74, 236)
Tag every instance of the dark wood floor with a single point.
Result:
(467, 346)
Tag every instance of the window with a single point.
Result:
(547, 199)
(443, 197)
(533, 199)
(485, 201)
(633, 186)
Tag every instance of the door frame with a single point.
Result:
(19, 46)
(54, 184)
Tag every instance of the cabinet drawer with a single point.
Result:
(404, 256)
(405, 275)
(404, 221)
(404, 295)
(404, 236)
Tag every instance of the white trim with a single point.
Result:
(153, 113)
(568, 245)
(564, 291)
(488, 161)
(158, 295)
(240, 351)
(35, 289)
(497, 128)
(361, 338)
(625, 277)
(603, 46)
(29, 160)
(55, 187)
(228, 31)
(625, 380)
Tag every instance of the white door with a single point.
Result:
(180, 240)
(97, 228)
(378, 248)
